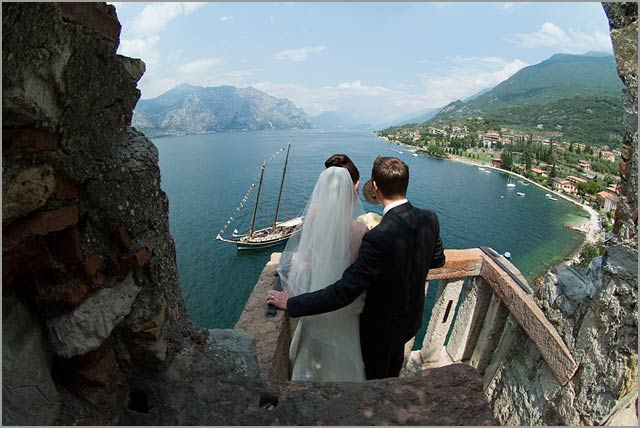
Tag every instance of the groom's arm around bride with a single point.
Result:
(392, 266)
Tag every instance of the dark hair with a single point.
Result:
(344, 162)
(391, 175)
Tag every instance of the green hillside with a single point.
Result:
(578, 95)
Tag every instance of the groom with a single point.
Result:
(392, 266)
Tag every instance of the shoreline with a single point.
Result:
(589, 227)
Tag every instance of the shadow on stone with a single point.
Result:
(139, 402)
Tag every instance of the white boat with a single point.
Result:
(507, 255)
(481, 168)
(510, 183)
(414, 154)
(519, 193)
(547, 195)
(551, 198)
(269, 236)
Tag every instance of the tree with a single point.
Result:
(527, 157)
(507, 159)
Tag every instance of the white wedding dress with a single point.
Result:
(326, 347)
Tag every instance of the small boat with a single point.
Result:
(551, 198)
(525, 183)
(547, 195)
(510, 183)
(414, 154)
(269, 236)
(519, 193)
(507, 255)
(481, 168)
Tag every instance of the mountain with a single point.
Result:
(188, 109)
(578, 95)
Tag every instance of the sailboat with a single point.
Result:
(510, 183)
(275, 234)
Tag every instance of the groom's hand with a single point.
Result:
(277, 299)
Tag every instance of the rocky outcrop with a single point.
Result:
(623, 21)
(86, 243)
(594, 309)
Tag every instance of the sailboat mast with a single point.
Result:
(284, 171)
(255, 209)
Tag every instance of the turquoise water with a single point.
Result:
(206, 176)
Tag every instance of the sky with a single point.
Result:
(373, 61)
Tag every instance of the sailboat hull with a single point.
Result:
(263, 238)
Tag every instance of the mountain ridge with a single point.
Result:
(190, 109)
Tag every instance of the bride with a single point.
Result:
(326, 347)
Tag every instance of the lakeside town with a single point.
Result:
(580, 173)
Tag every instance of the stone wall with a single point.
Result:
(594, 309)
(623, 21)
(89, 275)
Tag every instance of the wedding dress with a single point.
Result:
(326, 347)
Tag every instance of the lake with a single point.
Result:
(206, 177)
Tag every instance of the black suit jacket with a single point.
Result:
(392, 266)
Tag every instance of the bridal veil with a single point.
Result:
(317, 257)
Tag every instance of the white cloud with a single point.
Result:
(298, 55)
(464, 76)
(226, 18)
(358, 87)
(156, 16)
(550, 35)
(199, 66)
(152, 87)
(141, 48)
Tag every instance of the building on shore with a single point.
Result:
(564, 185)
(610, 200)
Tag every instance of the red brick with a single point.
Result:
(65, 247)
(97, 281)
(122, 237)
(59, 299)
(100, 372)
(38, 224)
(92, 265)
(39, 263)
(134, 260)
(91, 356)
(66, 189)
(22, 254)
(90, 16)
(17, 141)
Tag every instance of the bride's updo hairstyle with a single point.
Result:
(391, 175)
(344, 162)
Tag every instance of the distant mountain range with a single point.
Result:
(578, 95)
(188, 109)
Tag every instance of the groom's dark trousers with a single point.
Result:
(392, 266)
